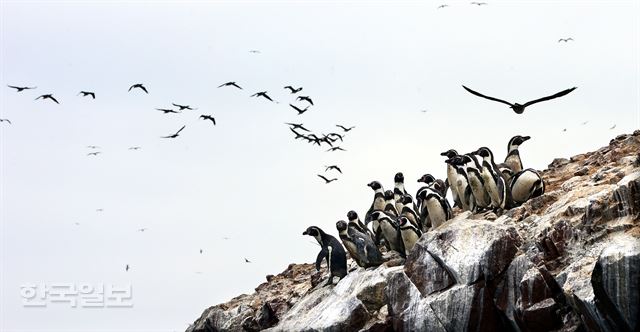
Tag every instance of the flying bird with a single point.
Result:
(518, 108)
(49, 96)
(184, 107)
(21, 88)
(174, 135)
(479, 3)
(584, 123)
(565, 39)
(336, 148)
(327, 181)
(135, 148)
(200, 250)
(262, 94)
(93, 153)
(208, 117)
(614, 126)
(292, 89)
(166, 110)
(305, 98)
(442, 6)
(345, 128)
(300, 111)
(87, 93)
(93, 147)
(255, 51)
(333, 167)
(297, 126)
(230, 84)
(5, 120)
(336, 135)
(247, 261)
(126, 268)
(139, 86)
(142, 229)
(99, 210)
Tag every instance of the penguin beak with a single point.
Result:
(526, 138)
(444, 153)
(305, 233)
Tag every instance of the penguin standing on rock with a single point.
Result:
(332, 251)
(409, 233)
(482, 199)
(512, 161)
(462, 183)
(436, 207)
(390, 203)
(389, 230)
(525, 185)
(359, 245)
(494, 183)
(378, 201)
(409, 212)
(452, 175)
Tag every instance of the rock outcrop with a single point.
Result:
(568, 260)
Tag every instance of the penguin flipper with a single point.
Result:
(321, 255)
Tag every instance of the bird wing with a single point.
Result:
(213, 119)
(221, 85)
(343, 128)
(323, 177)
(11, 86)
(487, 97)
(338, 169)
(54, 99)
(180, 130)
(93, 95)
(144, 89)
(559, 94)
(176, 105)
(266, 96)
(131, 87)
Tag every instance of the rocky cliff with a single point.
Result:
(568, 260)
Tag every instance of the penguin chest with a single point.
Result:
(523, 186)
(379, 203)
(390, 234)
(436, 213)
(352, 249)
(452, 175)
(514, 162)
(478, 190)
(491, 186)
(409, 238)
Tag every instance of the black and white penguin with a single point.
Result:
(409, 234)
(476, 183)
(452, 175)
(331, 250)
(390, 203)
(436, 206)
(462, 183)
(494, 183)
(355, 222)
(378, 200)
(435, 184)
(359, 245)
(408, 212)
(513, 155)
(399, 190)
(525, 185)
(389, 230)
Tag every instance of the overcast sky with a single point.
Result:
(375, 66)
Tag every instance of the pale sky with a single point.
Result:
(375, 66)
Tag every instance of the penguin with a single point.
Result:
(525, 185)
(378, 200)
(398, 190)
(433, 183)
(409, 234)
(462, 183)
(389, 231)
(480, 194)
(451, 176)
(408, 212)
(332, 251)
(437, 207)
(390, 203)
(513, 155)
(354, 221)
(359, 245)
(494, 183)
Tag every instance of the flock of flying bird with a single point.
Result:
(395, 221)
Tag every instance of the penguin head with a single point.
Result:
(403, 221)
(341, 225)
(375, 215)
(375, 185)
(388, 195)
(313, 231)
(427, 178)
(399, 177)
(449, 153)
(484, 152)
(515, 142)
(456, 161)
(352, 215)
(466, 158)
(406, 199)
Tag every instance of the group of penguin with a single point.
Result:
(395, 221)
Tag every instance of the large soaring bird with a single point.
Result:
(518, 108)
